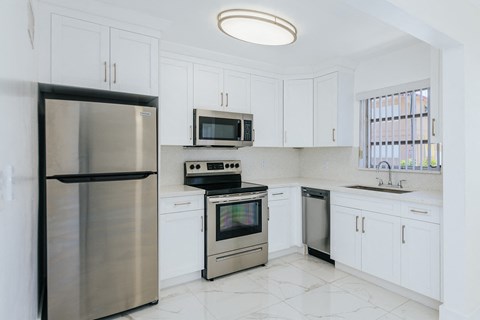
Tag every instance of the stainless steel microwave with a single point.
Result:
(222, 129)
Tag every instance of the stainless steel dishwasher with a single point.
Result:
(316, 222)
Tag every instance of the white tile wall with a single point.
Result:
(257, 163)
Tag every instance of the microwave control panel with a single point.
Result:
(247, 135)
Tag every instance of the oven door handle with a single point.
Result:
(236, 199)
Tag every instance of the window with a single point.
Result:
(396, 128)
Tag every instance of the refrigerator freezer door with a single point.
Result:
(87, 137)
(102, 247)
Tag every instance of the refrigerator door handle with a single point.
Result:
(102, 177)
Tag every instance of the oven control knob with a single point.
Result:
(237, 165)
(197, 166)
(227, 166)
(192, 167)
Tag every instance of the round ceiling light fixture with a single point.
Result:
(256, 27)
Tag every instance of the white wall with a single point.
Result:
(257, 163)
(18, 148)
(401, 66)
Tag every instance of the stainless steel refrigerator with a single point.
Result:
(100, 208)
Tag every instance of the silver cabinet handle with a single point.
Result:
(191, 132)
(333, 135)
(356, 224)
(221, 99)
(114, 73)
(363, 224)
(403, 234)
(105, 68)
(226, 96)
(253, 135)
(277, 194)
(268, 213)
(433, 127)
(182, 203)
(418, 211)
(202, 223)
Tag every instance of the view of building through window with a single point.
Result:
(397, 129)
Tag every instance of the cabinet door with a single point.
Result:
(279, 226)
(298, 113)
(176, 102)
(435, 95)
(134, 63)
(381, 236)
(421, 257)
(208, 87)
(80, 53)
(346, 236)
(236, 91)
(325, 111)
(181, 243)
(267, 111)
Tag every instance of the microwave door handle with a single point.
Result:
(241, 129)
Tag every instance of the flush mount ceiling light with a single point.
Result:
(256, 27)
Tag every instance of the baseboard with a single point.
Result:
(429, 302)
(448, 314)
(285, 252)
(180, 280)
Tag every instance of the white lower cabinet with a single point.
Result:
(181, 239)
(421, 257)
(280, 222)
(388, 245)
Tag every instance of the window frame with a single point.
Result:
(389, 94)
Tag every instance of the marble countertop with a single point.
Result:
(179, 190)
(431, 197)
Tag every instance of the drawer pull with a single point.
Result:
(418, 211)
(277, 194)
(182, 203)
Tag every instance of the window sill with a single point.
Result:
(401, 171)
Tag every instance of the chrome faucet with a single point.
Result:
(389, 172)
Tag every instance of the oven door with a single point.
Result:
(236, 221)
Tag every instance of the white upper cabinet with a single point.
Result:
(436, 76)
(176, 102)
(298, 113)
(267, 109)
(218, 89)
(90, 55)
(134, 59)
(237, 91)
(333, 110)
(80, 53)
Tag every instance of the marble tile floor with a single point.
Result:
(294, 287)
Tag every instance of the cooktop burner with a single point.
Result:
(218, 177)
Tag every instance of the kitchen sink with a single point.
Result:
(389, 190)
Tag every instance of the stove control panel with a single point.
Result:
(200, 168)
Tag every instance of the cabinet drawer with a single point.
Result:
(179, 204)
(421, 212)
(278, 194)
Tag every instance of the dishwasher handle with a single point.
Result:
(321, 197)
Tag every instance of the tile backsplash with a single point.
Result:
(269, 163)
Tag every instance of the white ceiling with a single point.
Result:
(327, 29)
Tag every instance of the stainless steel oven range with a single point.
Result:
(236, 216)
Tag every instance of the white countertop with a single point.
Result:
(432, 197)
(179, 190)
(424, 197)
